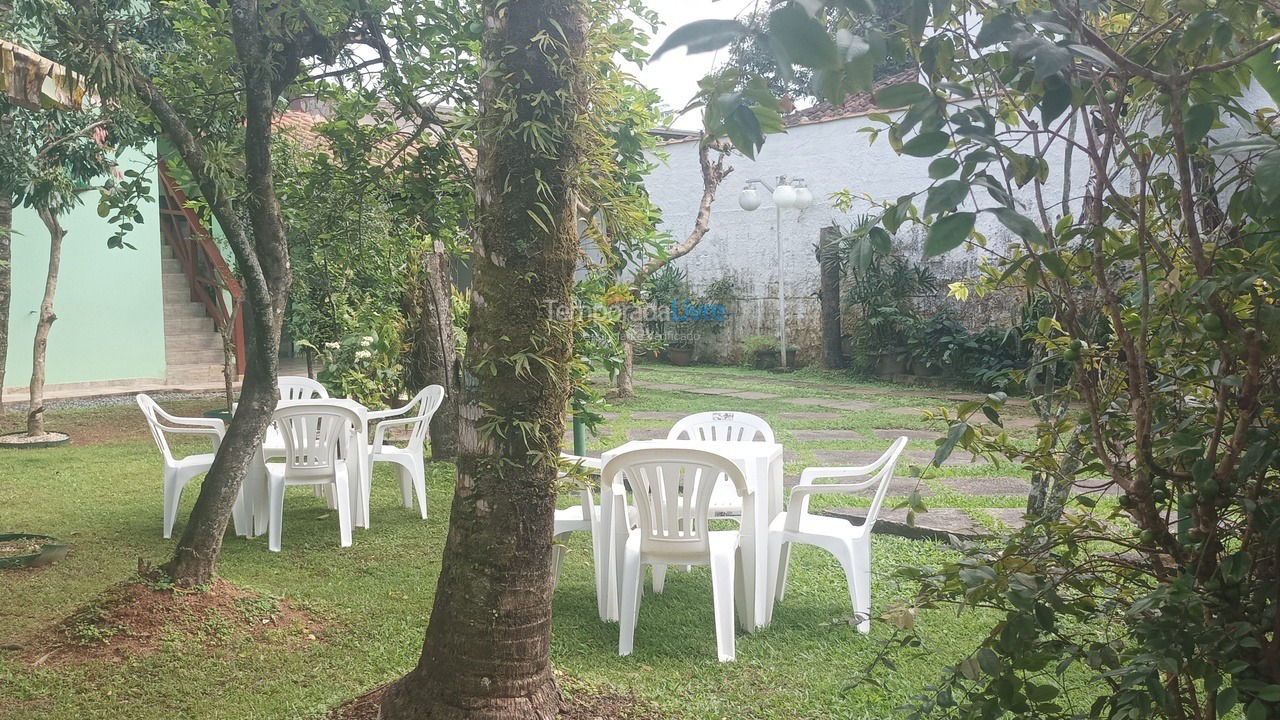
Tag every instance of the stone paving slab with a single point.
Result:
(710, 391)
(892, 434)
(809, 416)
(815, 435)
(900, 487)
(671, 387)
(753, 395)
(646, 433)
(907, 411)
(854, 405)
(937, 524)
(987, 486)
(864, 457)
(646, 415)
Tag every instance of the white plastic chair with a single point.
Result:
(311, 435)
(584, 516)
(179, 471)
(671, 490)
(409, 462)
(851, 544)
(296, 387)
(722, 426)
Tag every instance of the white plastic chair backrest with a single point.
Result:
(296, 387)
(722, 426)
(152, 412)
(585, 496)
(428, 401)
(881, 480)
(671, 489)
(312, 433)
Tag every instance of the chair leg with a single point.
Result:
(630, 608)
(341, 489)
(784, 565)
(173, 484)
(722, 591)
(558, 551)
(275, 493)
(406, 488)
(659, 577)
(418, 474)
(862, 584)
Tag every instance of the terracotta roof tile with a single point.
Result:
(854, 105)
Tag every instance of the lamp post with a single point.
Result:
(788, 193)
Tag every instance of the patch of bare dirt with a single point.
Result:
(94, 426)
(577, 702)
(139, 618)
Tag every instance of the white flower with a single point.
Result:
(366, 341)
(332, 345)
(363, 354)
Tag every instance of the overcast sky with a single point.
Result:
(675, 75)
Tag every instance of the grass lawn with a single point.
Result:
(373, 598)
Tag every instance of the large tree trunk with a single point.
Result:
(6, 282)
(433, 357)
(35, 406)
(486, 654)
(829, 268)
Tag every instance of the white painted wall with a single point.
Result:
(831, 156)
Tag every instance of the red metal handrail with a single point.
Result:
(202, 262)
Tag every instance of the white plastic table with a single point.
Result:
(358, 470)
(761, 465)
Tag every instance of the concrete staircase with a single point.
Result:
(192, 345)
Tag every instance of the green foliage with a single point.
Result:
(1161, 269)
(364, 366)
(757, 343)
(883, 289)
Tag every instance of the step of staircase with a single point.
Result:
(193, 340)
(193, 357)
(175, 324)
(194, 375)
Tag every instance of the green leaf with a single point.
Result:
(988, 661)
(805, 40)
(1050, 60)
(948, 233)
(901, 95)
(1266, 176)
(926, 144)
(743, 128)
(1198, 121)
(702, 36)
(945, 196)
(1263, 67)
(1001, 28)
(943, 167)
(1053, 261)
(1093, 54)
(880, 240)
(1021, 225)
(1057, 98)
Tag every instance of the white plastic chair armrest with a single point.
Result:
(588, 463)
(380, 430)
(798, 504)
(809, 475)
(392, 412)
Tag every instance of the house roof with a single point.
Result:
(301, 127)
(32, 81)
(853, 106)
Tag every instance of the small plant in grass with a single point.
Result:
(258, 610)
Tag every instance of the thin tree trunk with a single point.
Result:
(433, 356)
(829, 269)
(627, 374)
(6, 283)
(486, 654)
(262, 255)
(35, 406)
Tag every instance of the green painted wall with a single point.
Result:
(110, 303)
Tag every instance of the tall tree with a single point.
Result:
(198, 70)
(487, 648)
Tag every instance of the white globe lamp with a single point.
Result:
(749, 199)
(784, 196)
(804, 198)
